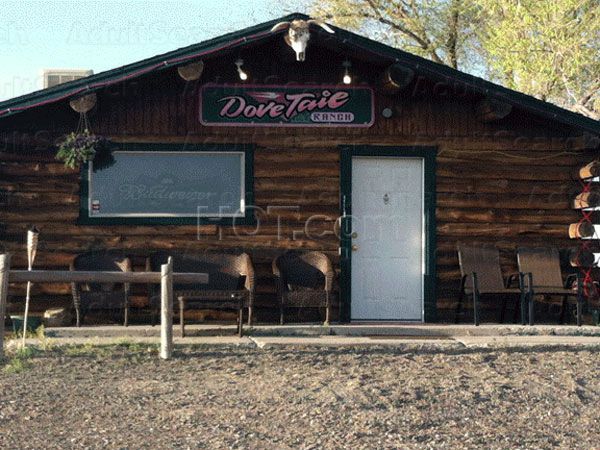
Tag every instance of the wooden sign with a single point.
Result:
(286, 106)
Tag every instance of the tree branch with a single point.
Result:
(451, 43)
(423, 41)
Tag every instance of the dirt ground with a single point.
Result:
(307, 398)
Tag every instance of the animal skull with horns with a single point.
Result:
(299, 34)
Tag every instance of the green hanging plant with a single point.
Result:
(80, 147)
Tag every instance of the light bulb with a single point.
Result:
(243, 75)
(347, 78)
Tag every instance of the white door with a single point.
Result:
(387, 253)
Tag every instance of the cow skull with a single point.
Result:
(299, 34)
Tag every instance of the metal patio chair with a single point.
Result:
(304, 280)
(542, 264)
(231, 282)
(481, 275)
(100, 296)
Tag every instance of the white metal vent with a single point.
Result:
(53, 77)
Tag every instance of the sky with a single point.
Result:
(101, 35)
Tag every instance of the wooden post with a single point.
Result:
(395, 78)
(166, 310)
(4, 269)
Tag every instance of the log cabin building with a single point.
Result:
(385, 174)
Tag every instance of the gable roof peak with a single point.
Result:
(261, 31)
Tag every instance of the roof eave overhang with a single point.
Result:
(262, 31)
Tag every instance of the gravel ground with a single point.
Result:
(308, 398)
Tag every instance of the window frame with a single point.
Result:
(248, 168)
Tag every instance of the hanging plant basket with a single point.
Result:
(80, 147)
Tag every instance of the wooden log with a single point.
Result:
(28, 155)
(581, 230)
(296, 198)
(590, 170)
(502, 200)
(81, 276)
(467, 185)
(589, 199)
(506, 216)
(41, 214)
(4, 271)
(503, 243)
(300, 140)
(579, 257)
(35, 168)
(37, 184)
(317, 184)
(32, 199)
(84, 103)
(505, 171)
(192, 71)
(499, 230)
(61, 230)
(49, 260)
(522, 157)
(395, 78)
(166, 310)
(491, 109)
(280, 155)
(306, 169)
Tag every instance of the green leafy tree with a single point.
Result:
(546, 48)
(440, 30)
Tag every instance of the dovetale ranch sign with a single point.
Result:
(287, 106)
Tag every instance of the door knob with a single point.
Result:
(354, 248)
(354, 235)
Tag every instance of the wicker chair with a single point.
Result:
(304, 280)
(481, 275)
(231, 282)
(100, 296)
(542, 264)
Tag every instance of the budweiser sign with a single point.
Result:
(299, 106)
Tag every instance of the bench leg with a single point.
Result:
(516, 311)
(181, 320)
(531, 309)
(563, 308)
(241, 321)
(458, 310)
(579, 305)
(523, 307)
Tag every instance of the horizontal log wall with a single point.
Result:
(508, 183)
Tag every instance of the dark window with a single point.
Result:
(170, 184)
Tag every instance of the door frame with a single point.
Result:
(428, 154)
